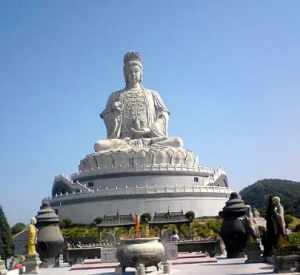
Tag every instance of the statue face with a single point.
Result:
(133, 74)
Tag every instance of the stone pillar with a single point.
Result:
(140, 269)
(254, 253)
(2, 267)
(166, 267)
(118, 270)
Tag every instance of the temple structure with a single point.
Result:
(138, 168)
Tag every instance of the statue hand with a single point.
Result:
(141, 132)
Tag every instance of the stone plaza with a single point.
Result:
(222, 267)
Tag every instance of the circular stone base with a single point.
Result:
(135, 159)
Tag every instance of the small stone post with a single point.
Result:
(140, 269)
(2, 267)
(118, 270)
(166, 267)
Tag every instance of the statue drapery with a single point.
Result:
(126, 110)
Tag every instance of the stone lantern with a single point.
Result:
(50, 239)
(233, 230)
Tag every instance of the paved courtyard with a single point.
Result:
(222, 267)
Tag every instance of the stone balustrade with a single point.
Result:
(144, 190)
(212, 173)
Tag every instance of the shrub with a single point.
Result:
(79, 232)
(297, 228)
(294, 238)
(288, 219)
(98, 220)
(190, 215)
(154, 231)
(184, 231)
(145, 218)
(66, 223)
(202, 231)
(215, 226)
(121, 233)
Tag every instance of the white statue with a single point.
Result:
(278, 219)
(135, 117)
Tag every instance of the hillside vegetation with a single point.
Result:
(258, 193)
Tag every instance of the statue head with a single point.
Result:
(276, 200)
(33, 220)
(133, 68)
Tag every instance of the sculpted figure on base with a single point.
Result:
(135, 117)
(276, 227)
(278, 217)
(32, 261)
(32, 238)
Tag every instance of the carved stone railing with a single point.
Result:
(144, 190)
(213, 173)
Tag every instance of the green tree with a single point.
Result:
(1, 246)
(98, 220)
(145, 218)
(17, 228)
(190, 215)
(6, 238)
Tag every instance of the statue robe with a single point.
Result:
(153, 113)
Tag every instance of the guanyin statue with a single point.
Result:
(135, 116)
(136, 121)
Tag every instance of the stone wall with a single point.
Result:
(203, 204)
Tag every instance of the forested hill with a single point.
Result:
(258, 193)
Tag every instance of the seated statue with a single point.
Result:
(135, 117)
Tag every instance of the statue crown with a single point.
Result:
(132, 57)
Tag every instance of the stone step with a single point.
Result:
(191, 255)
(93, 266)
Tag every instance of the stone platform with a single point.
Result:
(221, 267)
(183, 258)
(146, 190)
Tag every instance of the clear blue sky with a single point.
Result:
(227, 70)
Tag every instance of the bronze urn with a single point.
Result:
(50, 239)
(233, 230)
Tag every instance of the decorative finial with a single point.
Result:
(45, 203)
